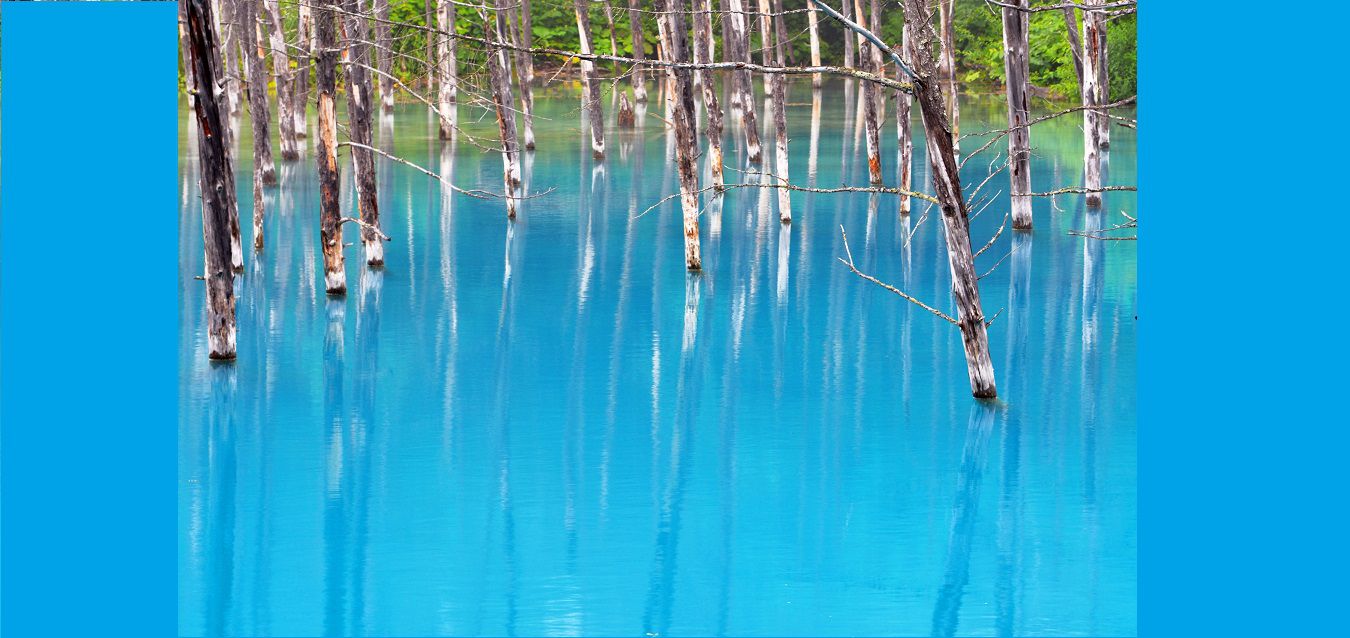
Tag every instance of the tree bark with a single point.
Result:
(703, 55)
(189, 82)
(384, 54)
(522, 34)
(948, 69)
(447, 68)
(903, 133)
(639, 51)
(1016, 71)
(1093, 23)
(746, 89)
(285, 79)
(360, 107)
(304, 40)
(229, 23)
(676, 44)
(850, 39)
(500, 79)
(590, 94)
(217, 180)
(951, 202)
(871, 62)
(778, 88)
(330, 212)
(813, 27)
(256, 66)
(1103, 81)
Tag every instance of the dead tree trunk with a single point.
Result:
(813, 27)
(384, 55)
(229, 23)
(951, 201)
(285, 79)
(947, 65)
(304, 47)
(782, 37)
(850, 39)
(1016, 71)
(330, 212)
(1103, 81)
(256, 66)
(639, 52)
(360, 106)
(703, 55)
(746, 89)
(499, 78)
(217, 181)
(871, 62)
(590, 94)
(1093, 23)
(522, 34)
(778, 88)
(609, 23)
(189, 82)
(447, 67)
(676, 43)
(903, 134)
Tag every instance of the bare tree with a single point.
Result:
(330, 212)
(813, 27)
(778, 89)
(522, 33)
(871, 61)
(281, 70)
(1094, 37)
(384, 54)
(360, 106)
(675, 37)
(703, 55)
(745, 88)
(304, 47)
(947, 67)
(590, 86)
(903, 133)
(255, 59)
(447, 67)
(1016, 72)
(217, 180)
(499, 75)
(639, 51)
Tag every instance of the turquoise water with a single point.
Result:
(549, 427)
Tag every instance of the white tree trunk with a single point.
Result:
(1093, 23)
(447, 68)
(1016, 71)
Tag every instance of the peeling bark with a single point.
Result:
(1094, 24)
(778, 88)
(745, 88)
(285, 80)
(499, 77)
(703, 55)
(330, 212)
(304, 40)
(590, 94)
(360, 103)
(676, 43)
(626, 117)
(1016, 71)
(256, 64)
(871, 62)
(217, 181)
(384, 54)
(447, 69)
(904, 135)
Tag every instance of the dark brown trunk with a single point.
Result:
(330, 212)
(217, 181)
(627, 119)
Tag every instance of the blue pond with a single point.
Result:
(549, 427)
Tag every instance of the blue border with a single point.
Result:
(88, 403)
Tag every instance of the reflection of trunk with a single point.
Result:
(446, 67)
(778, 87)
(217, 182)
(639, 51)
(961, 534)
(360, 99)
(522, 33)
(947, 184)
(590, 87)
(676, 43)
(1015, 73)
(744, 86)
(499, 75)
(384, 55)
(703, 55)
(330, 214)
(1094, 24)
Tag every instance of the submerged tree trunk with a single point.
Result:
(639, 52)
(500, 79)
(522, 34)
(703, 55)
(304, 47)
(850, 39)
(256, 66)
(676, 43)
(384, 54)
(951, 202)
(904, 136)
(1103, 81)
(446, 68)
(1016, 69)
(813, 27)
(746, 89)
(217, 181)
(590, 93)
(948, 68)
(778, 88)
(285, 79)
(330, 212)
(360, 107)
(230, 19)
(1093, 23)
